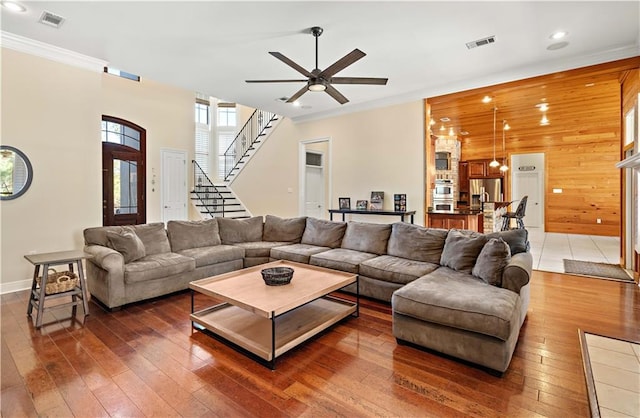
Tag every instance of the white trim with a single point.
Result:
(163, 179)
(327, 166)
(51, 52)
(15, 286)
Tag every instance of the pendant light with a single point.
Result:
(495, 162)
(504, 167)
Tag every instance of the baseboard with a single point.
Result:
(15, 286)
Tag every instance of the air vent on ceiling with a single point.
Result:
(51, 19)
(480, 42)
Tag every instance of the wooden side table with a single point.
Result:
(38, 297)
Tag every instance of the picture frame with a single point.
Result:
(362, 204)
(377, 200)
(400, 202)
(344, 203)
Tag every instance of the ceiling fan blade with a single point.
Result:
(331, 91)
(297, 95)
(342, 63)
(359, 80)
(275, 81)
(291, 64)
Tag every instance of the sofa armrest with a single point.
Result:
(106, 258)
(518, 272)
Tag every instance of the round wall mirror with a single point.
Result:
(16, 173)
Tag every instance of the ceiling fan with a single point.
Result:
(322, 80)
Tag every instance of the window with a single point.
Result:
(203, 134)
(122, 74)
(227, 131)
(116, 133)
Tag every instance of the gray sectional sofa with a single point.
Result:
(461, 293)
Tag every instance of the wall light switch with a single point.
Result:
(289, 190)
(557, 190)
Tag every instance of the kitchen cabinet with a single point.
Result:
(477, 169)
(463, 176)
(456, 219)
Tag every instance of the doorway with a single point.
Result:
(314, 182)
(527, 179)
(123, 172)
(173, 175)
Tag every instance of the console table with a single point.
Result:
(38, 296)
(401, 214)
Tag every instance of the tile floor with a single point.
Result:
(615, 366)
(549, 249)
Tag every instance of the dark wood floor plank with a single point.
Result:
(145, 360)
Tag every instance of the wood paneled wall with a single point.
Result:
(581, 144)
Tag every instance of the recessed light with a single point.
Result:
(464, 133)
(557, 45)
(486, 99)
(543, 107)
(13, 6)
(445, 119)
(590, 84)
(558, 35)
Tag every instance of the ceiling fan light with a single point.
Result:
(317, 87)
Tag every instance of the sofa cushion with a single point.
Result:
(285, 230)
(157, 266)
(366, 237)
(126, 243)
(259, 248)
(233, 231)
(493, 258)
(461, 249)
(299, 253)
(459, 300)
(206, 256)
(154, 237)
(518, 239)
(395, 269)
(323, 233)
(416, 242)
(340, 259)
(193, 234)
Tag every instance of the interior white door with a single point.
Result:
(174, 185)
(528, 184)
(314, 191)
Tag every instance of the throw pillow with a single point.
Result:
(416, 242)
(493, 258)
(461, 250)
(323, 233)
(154, 237)
(127, 243)
(517, 239)
(185, 235)
(284, 230)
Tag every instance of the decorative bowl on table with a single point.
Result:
(277, 276)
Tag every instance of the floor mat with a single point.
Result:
(598, 270)
(612, 375)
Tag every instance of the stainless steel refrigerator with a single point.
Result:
(492, 188)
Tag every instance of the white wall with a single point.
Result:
(51, 112)
(380, 149)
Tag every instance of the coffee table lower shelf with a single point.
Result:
(269, 338)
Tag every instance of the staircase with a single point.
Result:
(218, 200)
(247, 142)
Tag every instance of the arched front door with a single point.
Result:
(123, 172)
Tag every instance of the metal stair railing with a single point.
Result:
(247, 137)
(207, 192)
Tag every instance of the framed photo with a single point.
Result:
(377, 200)
(344, 203)
(362, 204)
(400, 202)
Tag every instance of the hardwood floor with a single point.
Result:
(145, 361)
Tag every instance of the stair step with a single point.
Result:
(226, 211)
(225, 205)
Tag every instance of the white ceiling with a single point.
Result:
(211, 47)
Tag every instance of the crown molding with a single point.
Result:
(51, 52)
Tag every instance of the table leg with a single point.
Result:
(343, 216)
(411, 218)
(331, 216)
(32, 297)
(43, 285)
(83, 287)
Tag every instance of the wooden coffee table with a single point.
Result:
(267, 321)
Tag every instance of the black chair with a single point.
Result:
(517, 215)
